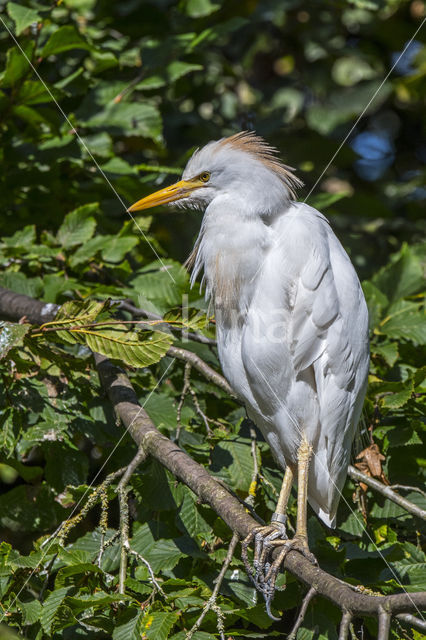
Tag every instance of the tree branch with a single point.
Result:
(386, 491)
(197, 478)
(143, 431)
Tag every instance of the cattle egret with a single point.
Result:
(292, 325)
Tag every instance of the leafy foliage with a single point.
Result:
(142, 83)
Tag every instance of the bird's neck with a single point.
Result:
(230, 249)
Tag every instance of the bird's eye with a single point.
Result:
(204, 177)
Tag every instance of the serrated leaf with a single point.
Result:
(118, 247)
(322, 201)
(397, 400)
(89, 249)
(98, 599)
(402, 276)
(134, 348)
(64, 39)
(158, 625)
(31, 611)
(191, 517)
(162, 555)
(23, 16)
(17, 65)
(11, 335)
(51, 606)
(412, 568)
(79, 312)
(162, 283)
(78, 226)
(23, 238)
(70, 575)
(200, 8)
(129, 625)
(405, 320)
(177, 69)
(235, 457)
(387, 350)
(133, 119)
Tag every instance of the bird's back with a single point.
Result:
(298, 354)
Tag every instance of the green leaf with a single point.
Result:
(397, 400)
(132, 119)
(98, 599)
(90, 249)
(31, 611)
(71, 575)
(119, 166)
(80, 312)
(51, 606)
(78, 226)
(23, 16)
(22, 239)
(190, 515)
(11, 335)
(158, 625)
(200, 8)
(129, 625)
(162, 283)
(135, 348)
(412, 569)
(64, 39)
(76, 314)
(402, 276)
(406, 321)
(322, 201)
(162, 555)
(343, 105)
(17, 65)
(387, 350)
(234, 457)
(118, 247)
(350, 70)
(177, 69)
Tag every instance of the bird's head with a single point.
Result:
(243, 169)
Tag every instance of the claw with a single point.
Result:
(264, 572)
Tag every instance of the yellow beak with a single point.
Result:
(175, 192)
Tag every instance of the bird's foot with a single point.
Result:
(265, 539)
(265, 569)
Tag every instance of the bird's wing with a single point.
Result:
(327, 328)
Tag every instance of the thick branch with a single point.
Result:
(145, 434)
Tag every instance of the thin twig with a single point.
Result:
(154, 581)
(384, 624)
(133, 465)
(201, 366)
(408, 618)
(404, 487)
(386, 491)
(305, 604)
(185, 388)
(124, 516)
(211, 603)
(124, 537)
(195, 336)
(344, 625)
(66, 526)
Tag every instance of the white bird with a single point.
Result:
(291, 319)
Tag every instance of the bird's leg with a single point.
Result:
(300, 540)
(264, 536)
(274, 537)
